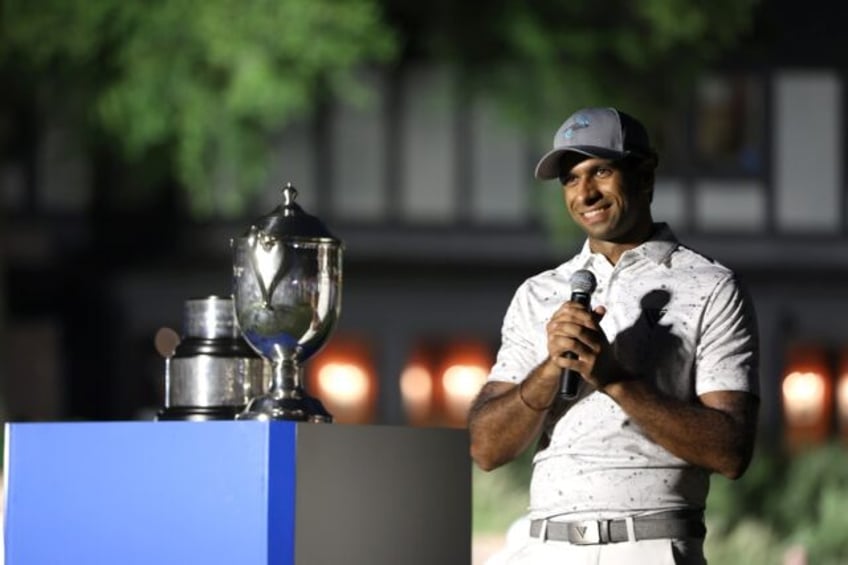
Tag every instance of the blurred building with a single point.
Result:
(434, 198)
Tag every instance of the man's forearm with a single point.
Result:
(716, 433)
(505, 418)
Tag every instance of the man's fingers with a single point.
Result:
(559, 346)
(588, 338)
(574, 314)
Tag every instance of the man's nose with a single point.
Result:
(586, 188)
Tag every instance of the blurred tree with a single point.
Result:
(207, 80)
(197, 86)
(543, 57)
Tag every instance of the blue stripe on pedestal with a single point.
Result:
(282, 488)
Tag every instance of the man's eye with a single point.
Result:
(603, 172)
(566, 180)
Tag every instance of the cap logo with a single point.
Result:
(580, 122)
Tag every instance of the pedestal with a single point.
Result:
(247, 493)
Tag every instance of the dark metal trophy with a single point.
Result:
(287, 282)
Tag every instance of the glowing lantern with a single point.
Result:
(461, 384)
(842, 395)
(804, 397)
(807, 396)
(465, 367)
(441, 379)
(343, 376)
(416, 389)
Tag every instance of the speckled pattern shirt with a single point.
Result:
(673, 316)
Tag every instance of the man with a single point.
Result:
(668, 356)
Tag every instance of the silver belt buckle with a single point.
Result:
(584, 533)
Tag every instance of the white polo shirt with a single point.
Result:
(673, 316)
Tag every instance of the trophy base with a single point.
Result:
(292, 408)
(198, 413)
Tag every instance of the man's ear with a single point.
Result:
(647, 175)
(646, 184)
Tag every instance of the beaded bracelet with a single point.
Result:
(527, 404)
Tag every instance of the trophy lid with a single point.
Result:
(289, 221)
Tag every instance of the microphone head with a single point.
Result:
(582, 281)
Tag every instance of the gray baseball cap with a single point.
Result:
(596, 132)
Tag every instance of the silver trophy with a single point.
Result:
(287, 282)
(210, 372)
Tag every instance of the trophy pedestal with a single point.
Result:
(246, 492)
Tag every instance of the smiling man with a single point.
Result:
(668, 356)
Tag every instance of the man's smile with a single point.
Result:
(595, 214)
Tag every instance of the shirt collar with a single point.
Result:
(657, 248)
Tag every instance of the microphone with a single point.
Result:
(582, 286)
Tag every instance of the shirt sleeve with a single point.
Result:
(727, 355)
(518, 353)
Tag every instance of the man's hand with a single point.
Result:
(573, 328)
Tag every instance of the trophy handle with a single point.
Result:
(267, 242)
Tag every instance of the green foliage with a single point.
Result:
(500, 497)
(796, 501)
(750, 541)
(209, 79)
(548, 56)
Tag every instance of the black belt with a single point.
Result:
(666, 525)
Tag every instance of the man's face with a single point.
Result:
(599, 199)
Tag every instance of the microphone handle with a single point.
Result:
(570, 380)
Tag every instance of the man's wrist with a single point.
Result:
(527, 403)
(545, 372)
(549, 368)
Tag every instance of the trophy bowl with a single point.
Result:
(287, 280)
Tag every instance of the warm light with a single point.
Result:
(842, 397)
(416, 389)
(842, 394)
(343, 378)
(808, 396)
(461, 383)
(804, 397)
(344, 383)
(416, 385)
(441, 378)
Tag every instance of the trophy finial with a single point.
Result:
(289, 194)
